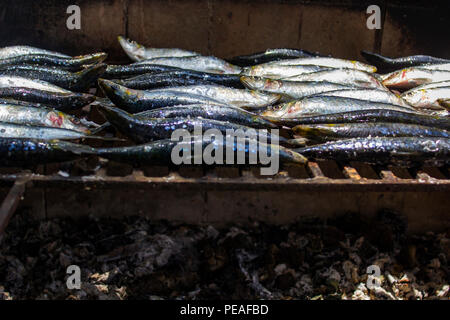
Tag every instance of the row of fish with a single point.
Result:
(37, 86)
(342, 109)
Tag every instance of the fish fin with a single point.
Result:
(100, 128)
(103, 138)
(297, 142)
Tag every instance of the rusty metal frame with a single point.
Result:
(317, 181)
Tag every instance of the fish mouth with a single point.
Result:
(249, 82)
(88, 76)
(119, 95)
(92, 58)
(114, 90)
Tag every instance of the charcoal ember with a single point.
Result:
(137, 258)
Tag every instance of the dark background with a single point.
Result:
(229, 27)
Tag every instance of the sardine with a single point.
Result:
(40, 116)
(241, 98)
(197, 63)
(135, 101)
(320, 105)
(160, 152)
(138, 52)
(334, 131)
(270, 55)
(221, 113)
(293, 89)
(134, 69)
(12, 130)
(390, 64)
(274, 71)
(21, 82)
(179, 78)
(383, 150)
(72, 64)
(77, 81)
(430, 85)
(145, 130)
(427, 98)
(342, 76)
(441, 67)
(376, 115)
(327, 62)
(15, 51)
(369, 94)
(413, 77)
(23, 152)
(59, 100)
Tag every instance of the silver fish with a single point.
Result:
(427, 98)
(237, 97)
(441, 67)
(412, 77)
(16, 81)
(197, 63)
(138, 52)
(430, 85)
(326, 62)
(293, 89)
(317, 105)
(11, 130)
(375, 95)
(275, 71)
(15, 51)
(341, 76)
(40, 116)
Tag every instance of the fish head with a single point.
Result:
(251, 71)
(116, 116)
(133, 49)
(277, 111)
(117, 93)
(59, 119)
(403, 79)
(254, 83)
(295, 156)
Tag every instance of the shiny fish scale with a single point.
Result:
(376, 115)
(159, 152)
(7, 81)
(293, 89)
(380, 129)
(236, 97)
(198, 63)
(40, 116)
(327, 62)
(20, 152)
(15, 51)
(138, 52)
(382, 150)
(318, 105)
(341, 76)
